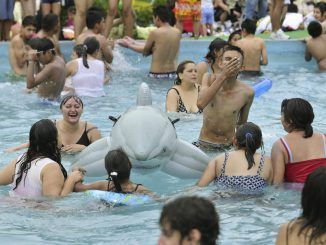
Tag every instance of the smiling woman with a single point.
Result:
(74, 134)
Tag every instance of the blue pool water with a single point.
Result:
(79, 219)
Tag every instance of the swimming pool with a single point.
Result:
(78, 219)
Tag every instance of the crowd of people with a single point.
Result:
(211, 88)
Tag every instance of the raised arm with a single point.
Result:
(35, 79)
(278, 162)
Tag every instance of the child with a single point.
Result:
(118, 167)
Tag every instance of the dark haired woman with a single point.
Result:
(209, 64)
(302, 150)
(310, 227)
(88, 72)
(39, 171)
(118, 167)
(182, 97)
(234, 37)
(242, 169)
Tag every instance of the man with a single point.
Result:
(50, 28)
(254, 49)
(316, 46)
(95, 25)
(49, 79)
(189, 220)
(226, 102)
(17, 46)
(163, 44)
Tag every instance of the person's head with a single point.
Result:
(90, 46)
(28, 28)
(71, 12)
(313, 203)
(214, 50)
(77, 51)
(71, 107)
(320, 11)
(315, 29)
(118, 167)
(249, 138)
(187, 72)
(95, 20)
(297, 115)
(45, 49)
(248, 26)
(50, 23)
(189, 220)
(161, 14)
(230, 52)
(43, 142)
(234, 37)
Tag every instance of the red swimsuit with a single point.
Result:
(298, 171)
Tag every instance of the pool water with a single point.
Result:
(79, 219)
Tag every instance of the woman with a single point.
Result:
(210, 64)
(39, 171)
(74, 134)
(242, 169)
(118, 167)
(302, 150)
(88, 73)
(183, 96)
(234, 37)
(310, 226)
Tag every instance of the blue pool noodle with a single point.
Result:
(262, 86)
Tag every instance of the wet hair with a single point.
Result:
(49, 22)
(33, 43)
(233, 48)
(315, 29)
(249, 25)
(299, 114)
(236, 32)
(118, 167)
(215, 46)
(192, 212)
(71, 96)
(42, 45)
(90, 46)
(313, 203)
(162, 12)
(249, 137)
(79, 50)
(43, 143)
(180, 69)
(29, 21)
(321, 6)
(93, 17)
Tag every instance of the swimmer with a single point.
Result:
(118, 167)
(164, 57)
(316, 46)
(189, 220)
(50, 78)
(225, 100)
(243, 169)
(234, 37)
(210, 63)
(182, 97)
(39, 172)
(18, 46)
(254, 49)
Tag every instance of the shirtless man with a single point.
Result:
(316, 46)
(95, 26)
(254, 49)
(163, 43)
(17, 46)
(226, 102)
(49, 79)
(50, 27)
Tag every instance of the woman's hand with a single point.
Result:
(73, 148)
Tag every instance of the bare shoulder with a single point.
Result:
(248, 89)
(172, 92)
(90, 125)
(17, 41)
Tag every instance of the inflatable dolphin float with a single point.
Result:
(149, 139)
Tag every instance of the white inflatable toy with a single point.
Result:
(149, 138)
